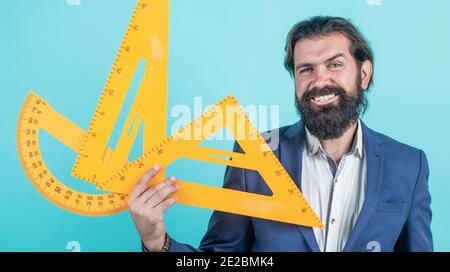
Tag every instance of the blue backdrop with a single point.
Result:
(64, 52)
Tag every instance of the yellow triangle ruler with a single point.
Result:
(286, 204)
(146, 39)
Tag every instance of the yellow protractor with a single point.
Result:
(36, 115)
(146, 38)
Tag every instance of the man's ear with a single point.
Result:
(366, 74)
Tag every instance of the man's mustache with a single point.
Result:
(314, 92)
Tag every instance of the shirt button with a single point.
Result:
(332, 220)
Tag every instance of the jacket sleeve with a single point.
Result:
(226, 232)
(416, 234)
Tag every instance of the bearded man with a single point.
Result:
(370, 191)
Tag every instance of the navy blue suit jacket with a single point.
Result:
(396, 214)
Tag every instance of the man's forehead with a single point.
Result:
(321, 47)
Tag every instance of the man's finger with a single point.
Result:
(141, 186)
(161, 195)
(153, 190)
(166, 204)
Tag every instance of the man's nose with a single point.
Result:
(321, 78)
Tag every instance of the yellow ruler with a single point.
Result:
(146, 39)
(286, 203)
(108, 167)
(36, 115)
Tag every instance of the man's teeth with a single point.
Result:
(324, 97)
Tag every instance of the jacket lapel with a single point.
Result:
(291, 159)
(375, 158)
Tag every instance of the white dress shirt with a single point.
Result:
(335, 192)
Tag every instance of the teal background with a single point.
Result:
(65, 53)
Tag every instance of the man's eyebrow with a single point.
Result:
(301, 65)
(334, 57)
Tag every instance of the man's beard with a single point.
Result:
(331, 121)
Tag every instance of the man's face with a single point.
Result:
(329, 84)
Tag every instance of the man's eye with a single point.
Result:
(335, 65)
(302, 71)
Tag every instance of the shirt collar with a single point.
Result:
(314, 147)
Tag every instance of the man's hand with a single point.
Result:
(147, 207)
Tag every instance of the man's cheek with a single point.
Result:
(345, 81)
(299, 96)
(299, 91)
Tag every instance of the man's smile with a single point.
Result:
(323, 100)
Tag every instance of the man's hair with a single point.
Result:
(324, 25)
